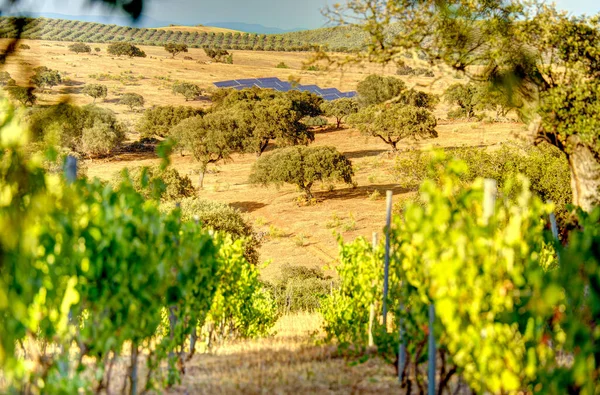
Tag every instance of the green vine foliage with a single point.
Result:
(92, 272)
(512, 305)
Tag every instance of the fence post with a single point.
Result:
(71, 169)
(431, 352)
(372, 306)
(386, 270)
(553, 226)
(490, 189)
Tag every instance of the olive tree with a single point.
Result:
(528, 50)
(206, 138)
(80, 48)
(395, 122)
(187, 89)
(302, 166)
(95, 91)
(132, 100)
(340, 109)
(176, 48)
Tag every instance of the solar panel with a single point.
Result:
(226, 84)
(283, 86)
(331, 96)
(268, 80)
(247, 81)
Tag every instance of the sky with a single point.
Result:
(285, 14)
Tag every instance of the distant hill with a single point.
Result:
(252, 28)
(199, 29)
(334, 39)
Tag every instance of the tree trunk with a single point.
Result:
(201, 177)
(585, 174)
(339, 122)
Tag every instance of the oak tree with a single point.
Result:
(395, 122)
(302, 166)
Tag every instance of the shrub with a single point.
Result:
(5, 79)
(299, 289)
(546, 168)
(132, 100)
(126, 49)
(24, 46)
(159, 120)
(63, 124)
(282, 65)
(302, 166)
(22, 94)
(219, 55)
(100, 139)
(315, 121)
(80, 48)
(97, 49)
(154, 183)
(219, 217)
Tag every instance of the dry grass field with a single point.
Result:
(296, 235)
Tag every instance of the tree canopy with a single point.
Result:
(95, 91)
(132, 100)
(159, 120)
(45, 77)
(22, 94)
(395, 122)
(187, 89)
(264, 115)
(125, 49)
(206, 138)
(376, 89)
(176, 48)
(302, 166)
(340, 109)
(63, 124)
(80, 48)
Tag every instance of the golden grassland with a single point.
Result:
(295, 234)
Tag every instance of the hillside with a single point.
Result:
(335, 39)
(198, 29)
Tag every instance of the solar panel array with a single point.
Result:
(283, 86)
